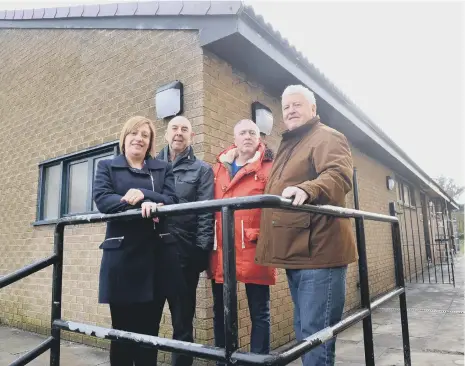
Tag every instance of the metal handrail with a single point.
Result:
(238, 203)
(26, 271)
(230, 354)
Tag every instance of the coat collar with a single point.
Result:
(301, 130)
(230, 155)
(165, 154)
(262, 154)
(121, 162)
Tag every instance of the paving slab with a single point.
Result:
(396, 357)
(436, 324)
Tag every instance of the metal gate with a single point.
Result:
(428, 244)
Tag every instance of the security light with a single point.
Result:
(169, 100)
(390, 183)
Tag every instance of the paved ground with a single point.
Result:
(436, 324)
(436, 321)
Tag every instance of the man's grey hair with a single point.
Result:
(246, 120)
(300, 89)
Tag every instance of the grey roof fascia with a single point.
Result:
(218, 28)
(210, 27)
(274, 52)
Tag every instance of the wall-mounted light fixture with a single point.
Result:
(263, 117)
(169, 100)
(390, 183)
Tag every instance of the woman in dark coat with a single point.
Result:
(129, 268)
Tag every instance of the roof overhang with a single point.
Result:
(277, 80)
(262, 55)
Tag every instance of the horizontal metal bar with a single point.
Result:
(164, 344)
(320, 337)
(386, 297)
(301, 347)
(258, 201)
(339, 212)
(218, 354)
(26, 271)
(314, 340)
(36, 352)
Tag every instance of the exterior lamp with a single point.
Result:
(263, 117)
(169, 100)
(390, 183)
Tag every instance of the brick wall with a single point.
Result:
(69, 90)
(375, 197)
(63, 91)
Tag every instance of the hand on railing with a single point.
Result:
(148, 208)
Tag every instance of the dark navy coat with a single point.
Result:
(128, 266)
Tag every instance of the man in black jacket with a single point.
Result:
(191, 234)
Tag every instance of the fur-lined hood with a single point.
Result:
(263, 153)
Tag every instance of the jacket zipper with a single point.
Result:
(151, 179)
(215, 242)
(242, 225)
(115, 238)
(153, 189)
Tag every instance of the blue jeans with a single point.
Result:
(258, 298)
(318, 296)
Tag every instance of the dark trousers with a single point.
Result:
(169, 284)
(182, 308)
(258, 298)
(137, 318)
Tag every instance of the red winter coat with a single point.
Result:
(248, 181)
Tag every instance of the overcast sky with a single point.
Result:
(400, 62)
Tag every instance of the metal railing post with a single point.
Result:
(413, 244)
(400, 282)
(419, 246)
(56, 294)
(363, 277)
(450, 258)
(404, 214)
(439, 238)
(230, 284)
(432, 246)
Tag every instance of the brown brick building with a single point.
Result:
(71, 77)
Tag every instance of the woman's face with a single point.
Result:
(137, 142)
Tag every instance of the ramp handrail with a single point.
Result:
(230, 354)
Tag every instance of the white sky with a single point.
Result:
(402, 63)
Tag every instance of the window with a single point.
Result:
(405, 194)
(65, 183)
(406, 190)
(400, 195)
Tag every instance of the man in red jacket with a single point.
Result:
(242, 170)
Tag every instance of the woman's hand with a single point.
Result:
(148, 208)
(133, 196)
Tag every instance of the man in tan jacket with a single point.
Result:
(313, 165)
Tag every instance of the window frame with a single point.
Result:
(401, 185)
(90, 155)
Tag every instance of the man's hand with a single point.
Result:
(300, 196)
(133, 196)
